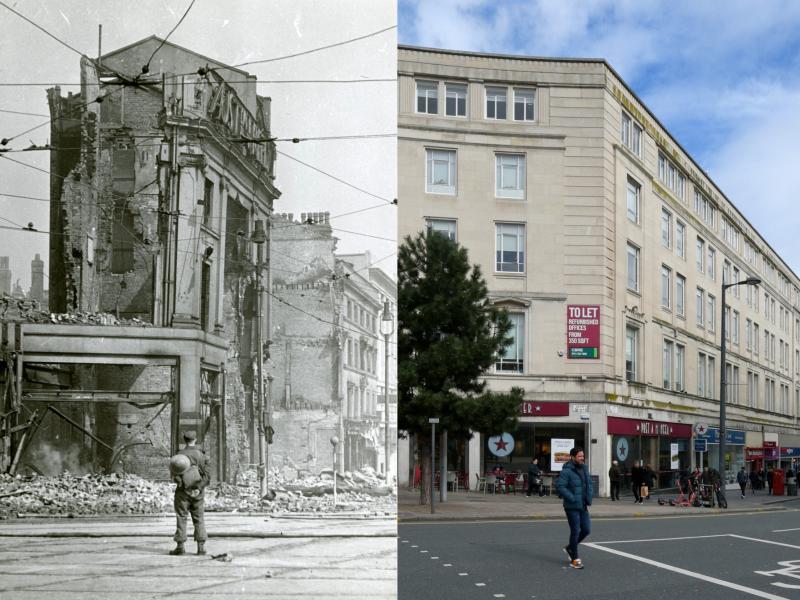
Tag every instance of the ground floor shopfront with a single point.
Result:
(665, 440)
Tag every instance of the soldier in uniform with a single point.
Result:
(189, 470)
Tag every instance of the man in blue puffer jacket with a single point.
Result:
(574, 485)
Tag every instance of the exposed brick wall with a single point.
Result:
(302, 439)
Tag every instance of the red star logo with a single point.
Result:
(538, 408)
(501, 444)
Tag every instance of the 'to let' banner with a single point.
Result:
(583, 331)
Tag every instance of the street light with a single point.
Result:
(334, 443)
(723, 383)
(387, 327)
(259, 238)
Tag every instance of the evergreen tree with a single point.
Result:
(449, 335)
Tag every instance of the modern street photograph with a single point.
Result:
(198, 299)
(598, 300)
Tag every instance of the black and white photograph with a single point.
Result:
(198, 223)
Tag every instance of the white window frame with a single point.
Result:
(680, 238)
(516, 363)
(699, 306)
(666, 287)
(493, 94)
(431, 187)
(525, 94)
(631, 134)
(632, 345)
(667, 366)
(436, 224)
(666, 228)
(711, 318)
(500, 189)
(502, 229)
(680, 295)
(637, 266)
(452, 91)
(428, 86)
(700, 251)
(633, 193)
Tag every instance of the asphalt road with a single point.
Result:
(727, 556)
(96, 560)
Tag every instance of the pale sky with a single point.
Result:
(232, 32)
(723, 78)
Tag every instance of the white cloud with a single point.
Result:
(723, 78)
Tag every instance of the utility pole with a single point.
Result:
(258, 239)
(387, 327)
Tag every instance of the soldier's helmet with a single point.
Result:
(179, 464)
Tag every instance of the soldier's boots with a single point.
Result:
(201, 548)
(178, 550)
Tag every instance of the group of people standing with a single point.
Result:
(643, 479)
(758, 479)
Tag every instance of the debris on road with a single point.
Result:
(71, 495)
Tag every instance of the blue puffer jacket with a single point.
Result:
(570, 486)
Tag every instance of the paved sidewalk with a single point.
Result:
(476, 506)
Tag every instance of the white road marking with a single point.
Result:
(415, 546)
(782, 530)
(744, 537)
(480, 584)
(447, 565)
(403, 541)
(423, 551)
(790, 569)
(463, 574)
(499, 595)
(690, 537)
(702, 577)
(434, 558)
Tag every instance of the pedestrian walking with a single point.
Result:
(574, 485)
(189, 470)
(741, 479)
(753, 481)
(534, 477)
(615, 477)
(649, 480)
(637, 481)
(770, 476)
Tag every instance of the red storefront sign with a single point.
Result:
(771, 450)
(621, 426)
(753, 453)
(583, 331)
(544, 409)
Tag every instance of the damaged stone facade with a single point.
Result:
(325, 351)
(154, 197)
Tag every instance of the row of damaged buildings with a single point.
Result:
(164, 245)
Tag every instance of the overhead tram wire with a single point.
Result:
(342, 181)
(128, 82)
(146, 67)
(99, 99)
(17, 112)
(42, 29)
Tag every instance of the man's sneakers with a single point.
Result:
(576, 563)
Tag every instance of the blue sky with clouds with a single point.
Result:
(723, 77)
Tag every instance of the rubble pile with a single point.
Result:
(22, 310)
(71, 495)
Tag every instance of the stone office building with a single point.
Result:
(608, 245)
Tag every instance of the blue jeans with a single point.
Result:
(580, 526)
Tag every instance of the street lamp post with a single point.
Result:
(723, 382)
(433, 421)
(387, 327)
(259, 237)
(334, 443)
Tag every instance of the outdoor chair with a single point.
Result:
(511, 483)
(452, 480)
(480, 483)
